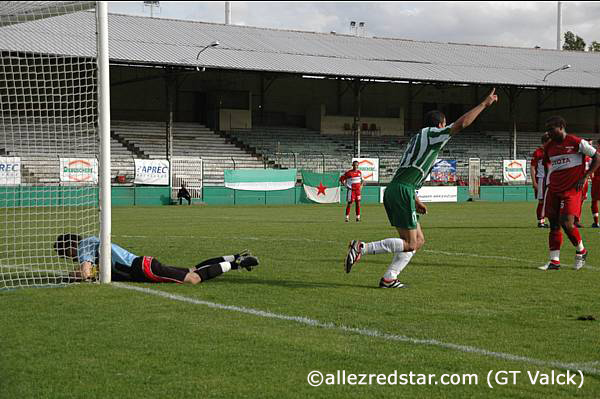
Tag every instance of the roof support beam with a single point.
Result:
(513, 93)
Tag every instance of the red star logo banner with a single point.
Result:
(321, 189)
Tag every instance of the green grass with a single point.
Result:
(475, 284)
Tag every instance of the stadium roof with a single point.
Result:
(154, 41)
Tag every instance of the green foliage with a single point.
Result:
(573, 42)
(475, 283)
(595, 46)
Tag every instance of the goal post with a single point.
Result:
(51, 149)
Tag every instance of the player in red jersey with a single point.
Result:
(595, 195)
(584, 190)
(566, 176)
(353, 181)
(538, 174)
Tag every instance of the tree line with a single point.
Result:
(576, 43)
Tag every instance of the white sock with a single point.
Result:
(555, 255)
(389, 245)
(399, 262)
(229, 258)
(225, 266)
(580, 247)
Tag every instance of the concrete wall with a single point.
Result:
(235, 119)
(148, 195)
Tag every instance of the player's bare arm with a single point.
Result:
(421, 208)
(470, 116)
(589, 172)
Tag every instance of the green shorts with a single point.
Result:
(399, 202)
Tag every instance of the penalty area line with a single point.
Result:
(584, 367)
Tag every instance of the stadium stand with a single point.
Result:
(147, 140)
(259, 147)
(40, 156)
(304, 148)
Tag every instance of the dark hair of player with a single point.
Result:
(66, 241)
(434, 118)
(555, 121)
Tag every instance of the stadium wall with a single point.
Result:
(28, 196)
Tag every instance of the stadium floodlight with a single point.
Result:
(567, 66)
(213, 44)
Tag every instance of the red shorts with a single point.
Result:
(595, 191)
(563, 203)
(353, 195)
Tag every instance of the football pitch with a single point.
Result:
(476, 306)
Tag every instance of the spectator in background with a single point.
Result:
(183, 193)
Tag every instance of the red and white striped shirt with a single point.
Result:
(566, 162)
(352, 179)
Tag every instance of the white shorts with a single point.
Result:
(541, 188)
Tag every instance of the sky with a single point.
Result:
(515, 24)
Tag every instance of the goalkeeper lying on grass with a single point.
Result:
(129, 267)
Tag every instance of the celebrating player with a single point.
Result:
(565, 153)
(538, 173)
(353, 181)
(401, 203)
(126, 266)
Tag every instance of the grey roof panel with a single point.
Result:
(174, 42)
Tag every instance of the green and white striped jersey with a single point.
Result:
(420, 155)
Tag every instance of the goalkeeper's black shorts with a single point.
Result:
(146, 269)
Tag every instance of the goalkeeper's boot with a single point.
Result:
(580, 260)
(247, 262)
(595, 225)
(354, 254)
(395, 283)
(245, 252)
(550, 266)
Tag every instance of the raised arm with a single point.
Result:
(471, 115)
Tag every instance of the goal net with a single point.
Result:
(48, 137)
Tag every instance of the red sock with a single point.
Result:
(540, 211)
(348, 210)
(595, 206)
(357, 208)
(574, 236)
(555, 240)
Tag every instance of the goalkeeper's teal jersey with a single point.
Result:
(421, 153)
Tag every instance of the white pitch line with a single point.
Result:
(585, 367)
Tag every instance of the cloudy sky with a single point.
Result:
(521, 24)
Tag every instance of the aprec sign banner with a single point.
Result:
(152, 171)
(10, 171)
